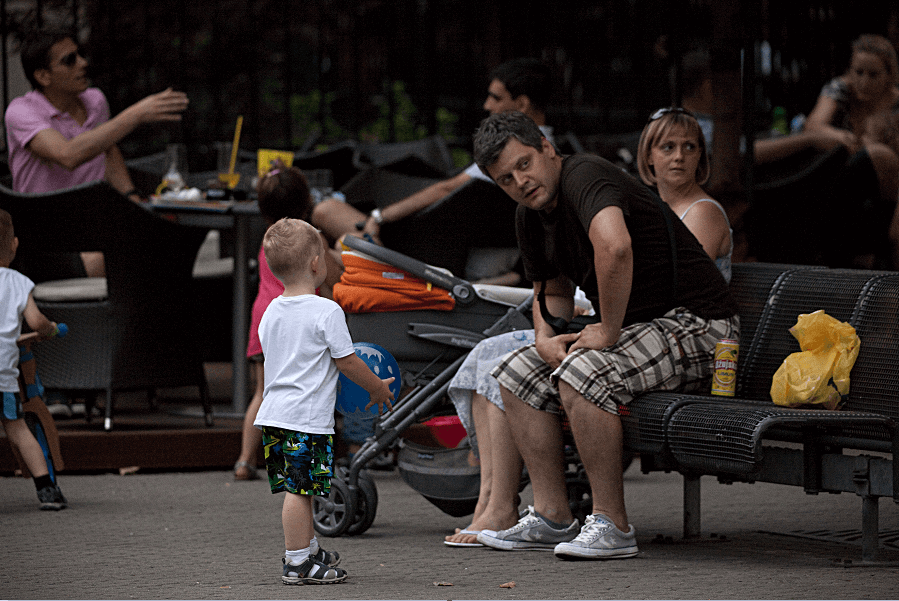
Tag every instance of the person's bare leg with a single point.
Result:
(296, 518)
(251, 436)
(21, 437)
(482, 428)
(94, 264)
(599, 439)
(502, 506)
(500, 471)
(336, 218)
(538, 436)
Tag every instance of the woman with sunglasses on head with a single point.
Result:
(60, 134)
(672, 156)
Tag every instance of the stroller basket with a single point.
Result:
(442, 476)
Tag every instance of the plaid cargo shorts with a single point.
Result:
(674, 352)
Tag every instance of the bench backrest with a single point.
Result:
(874, 385)
(836, 291)
(751, 285)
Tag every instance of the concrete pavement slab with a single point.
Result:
(203, 536)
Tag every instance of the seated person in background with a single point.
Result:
(521, 84)
(843, 115)
(672, 156)
(60, 134)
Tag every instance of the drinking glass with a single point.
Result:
(224, 163)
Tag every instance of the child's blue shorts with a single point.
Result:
(12, 406)
(297, 462)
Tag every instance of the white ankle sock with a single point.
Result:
(296, 557)
(313, 546)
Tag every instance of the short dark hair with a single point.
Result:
(527, 76)
(494, 132)
(35, 50)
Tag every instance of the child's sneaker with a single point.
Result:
(311, 571)
(531, 533)
(599, 539)
(51, 498)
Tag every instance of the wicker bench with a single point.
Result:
(749, 439)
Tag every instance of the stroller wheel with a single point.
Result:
(332, 515)
(366, 504)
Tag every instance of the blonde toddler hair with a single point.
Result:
(289, 246)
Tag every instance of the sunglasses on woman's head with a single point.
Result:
(672, 109)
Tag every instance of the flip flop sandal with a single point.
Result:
(311, 571)
(471, 532)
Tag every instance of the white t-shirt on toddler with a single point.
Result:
(301, 336)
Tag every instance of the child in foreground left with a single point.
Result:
(305, 341)
(18, 304)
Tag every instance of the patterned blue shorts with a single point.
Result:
(298, 463)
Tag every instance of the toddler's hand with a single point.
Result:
(382, 396)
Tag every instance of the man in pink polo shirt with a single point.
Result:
(60, 134)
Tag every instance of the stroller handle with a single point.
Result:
(461, 290)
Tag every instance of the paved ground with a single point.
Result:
(202, 536)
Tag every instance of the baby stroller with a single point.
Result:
(429, 346)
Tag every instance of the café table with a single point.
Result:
(225, 215)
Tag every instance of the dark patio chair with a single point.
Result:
(139, 335)
(337, 158)
(477, 215)
(383, 186)
(433, 156)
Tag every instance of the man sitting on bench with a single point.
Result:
(663, 306)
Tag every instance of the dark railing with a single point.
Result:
(308, 72)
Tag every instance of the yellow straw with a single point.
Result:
(234, 145)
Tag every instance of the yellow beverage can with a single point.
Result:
(724, 382)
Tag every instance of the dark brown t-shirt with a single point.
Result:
(558, 243)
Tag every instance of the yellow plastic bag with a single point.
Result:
(819, 375)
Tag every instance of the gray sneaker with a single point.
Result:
(531, 533)
(599, 539)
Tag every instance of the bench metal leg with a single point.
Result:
(692, 499)
(870, 527)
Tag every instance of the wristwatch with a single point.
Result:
(376, 215)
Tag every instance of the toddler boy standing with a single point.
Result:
(18, 303)
(305, 341)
